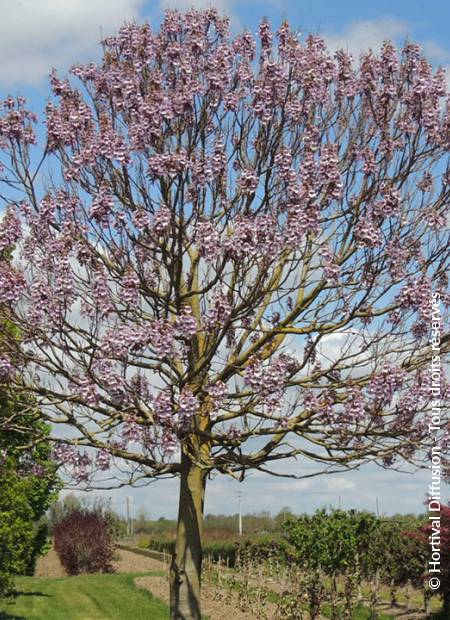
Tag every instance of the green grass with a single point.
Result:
(86, 597)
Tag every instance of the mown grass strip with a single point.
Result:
(86, 597)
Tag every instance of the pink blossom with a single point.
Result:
(186, 324)
(385, 383)
(208, 240)
(248, 181)
(131, 431)
(367, 232)
(12, 284)
(161, 220)
(6, 369)
(355, 406)
(103, 459)
(130, 287)
(415, 295)
(10, 229)
(163, 408)
(330, 267)
(168, 442)
(187, 405)
(219, 312)
(161, 334)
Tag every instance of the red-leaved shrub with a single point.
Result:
(84, 542)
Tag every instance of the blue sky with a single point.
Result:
(36, 35)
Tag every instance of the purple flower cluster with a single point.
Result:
(10, 229)
(161, 220)
(124, 340)
(17, 123)
(163, 408)
(38, 470)
(330, 267)
(131, 431)
(130, 287)
(207, 240)
(268, 380)
(161, 334)
(12, 284)
(79, 463)
(248, 181)
(185, 324)
(367, 231)
(6, 369)
(329, 170)
(384, 384)
(253, 236)
(219, 312)
(415, 295)
(389, 204)
(102, 206)
(355, 404)
(187, 406)
(101, 295)
(103, 459)
(217, 392)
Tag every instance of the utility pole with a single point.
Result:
(378, 507)
(240, 512)
(128, 518)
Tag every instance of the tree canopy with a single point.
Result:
(228, 249)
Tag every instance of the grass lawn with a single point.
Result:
(87, 597)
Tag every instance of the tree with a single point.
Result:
(62, 508)
(231, 260)
(28, 485)
(142, 524)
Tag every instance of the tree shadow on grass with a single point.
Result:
(28, 593)
(4, 615)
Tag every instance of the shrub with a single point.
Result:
(28, 485)
(84, 542)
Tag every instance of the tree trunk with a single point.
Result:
(427, 602)
(446, 608)
(185, 569)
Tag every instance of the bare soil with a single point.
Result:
(49, 566)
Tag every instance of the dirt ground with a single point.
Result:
(49, 566)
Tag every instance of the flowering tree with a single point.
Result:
(225, 256)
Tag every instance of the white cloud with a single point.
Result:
(435, 51)
(184, 5)
(336, 484)
(364, 35)
(36, 35)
